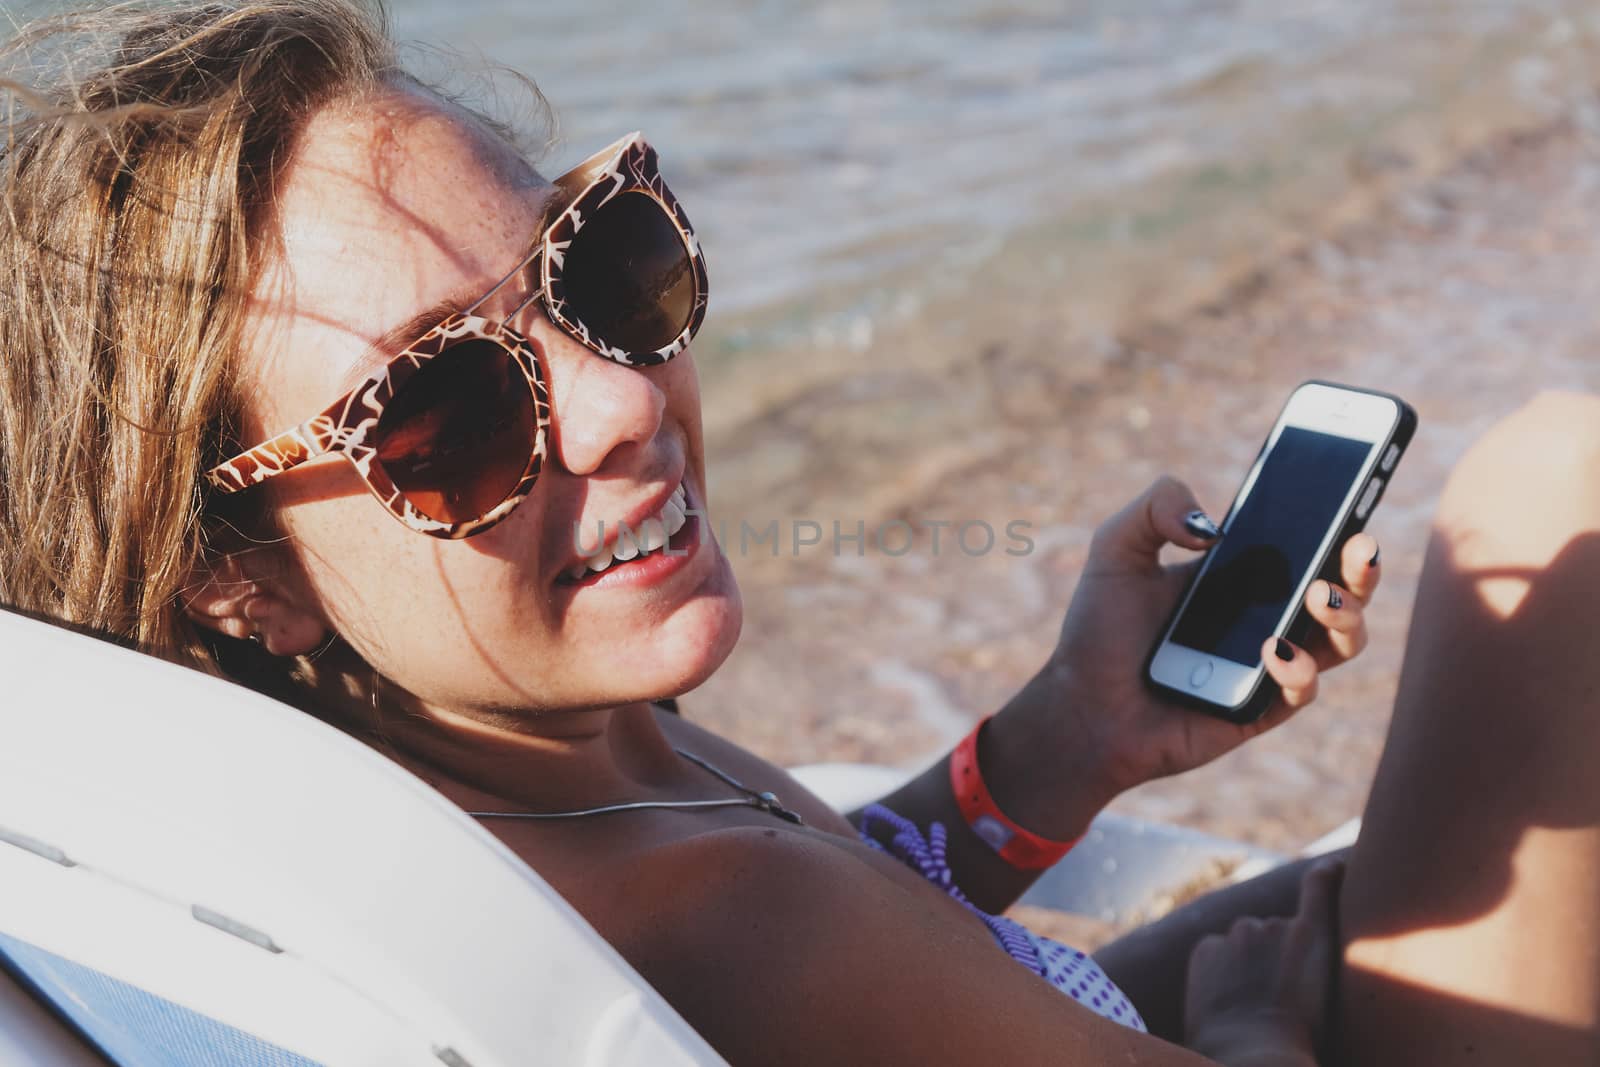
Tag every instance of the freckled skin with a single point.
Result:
(389, 207)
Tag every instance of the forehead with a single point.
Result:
(389, 207)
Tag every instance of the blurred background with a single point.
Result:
(1010, 261)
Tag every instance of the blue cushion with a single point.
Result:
(132, 1027)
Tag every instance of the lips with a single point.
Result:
(629, 541)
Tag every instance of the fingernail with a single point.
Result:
(1335, 601)
(1284, 650)
(1373, 562)
(1199, 523)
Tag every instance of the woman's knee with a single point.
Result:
(1531, 482)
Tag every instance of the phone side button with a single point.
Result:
(1201, 673)
(1369, 497)
(1389, 458)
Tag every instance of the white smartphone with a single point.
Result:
(1313, 486)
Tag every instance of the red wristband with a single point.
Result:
(1024, 850)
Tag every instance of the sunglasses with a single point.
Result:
(451, 433)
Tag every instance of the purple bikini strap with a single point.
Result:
(927, 855)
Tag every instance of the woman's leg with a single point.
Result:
(1471, 907)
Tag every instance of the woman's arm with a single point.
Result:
(1085, 728)
(781, 947)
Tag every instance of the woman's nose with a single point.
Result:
(597, 405)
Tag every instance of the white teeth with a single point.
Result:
(652, 535)
(625, 547)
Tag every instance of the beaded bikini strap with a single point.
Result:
(926, 855)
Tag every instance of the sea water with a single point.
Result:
(851, 162)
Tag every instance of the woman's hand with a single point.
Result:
(1089, 720)
(1259, 994)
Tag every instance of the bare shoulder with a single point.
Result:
(734, 875)
(780, 946)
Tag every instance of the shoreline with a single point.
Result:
(1064, 294)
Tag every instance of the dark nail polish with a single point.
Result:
(1373, 562)
(1335, 601)
(1285, 650)
(1199, 523)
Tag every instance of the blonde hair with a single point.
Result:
(136, 194)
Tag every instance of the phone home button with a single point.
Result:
(1201, 674)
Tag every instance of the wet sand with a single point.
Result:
(1465, 295)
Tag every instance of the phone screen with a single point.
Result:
(1269, 544)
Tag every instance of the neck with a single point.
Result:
(533, 760)
(546, 761)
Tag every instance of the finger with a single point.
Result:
(1342, 617)
(1167, 512)
(1205, 960)
(1293, 669)
(1319, 890)
(1205, 950)
(1319, 893)
(1314, 922)
(1316, 936)
(1360, 566)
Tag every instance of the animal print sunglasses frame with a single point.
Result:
(352, 425)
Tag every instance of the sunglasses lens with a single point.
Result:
(628, 277)
(457, 437)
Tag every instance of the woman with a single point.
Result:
(250, 215)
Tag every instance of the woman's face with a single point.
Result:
(389, 208)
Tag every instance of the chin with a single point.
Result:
(687, 649)
(699, 637)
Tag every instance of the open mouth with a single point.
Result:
(635, 546)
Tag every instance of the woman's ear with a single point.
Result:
(229, 593)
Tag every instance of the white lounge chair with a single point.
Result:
(193, 874)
